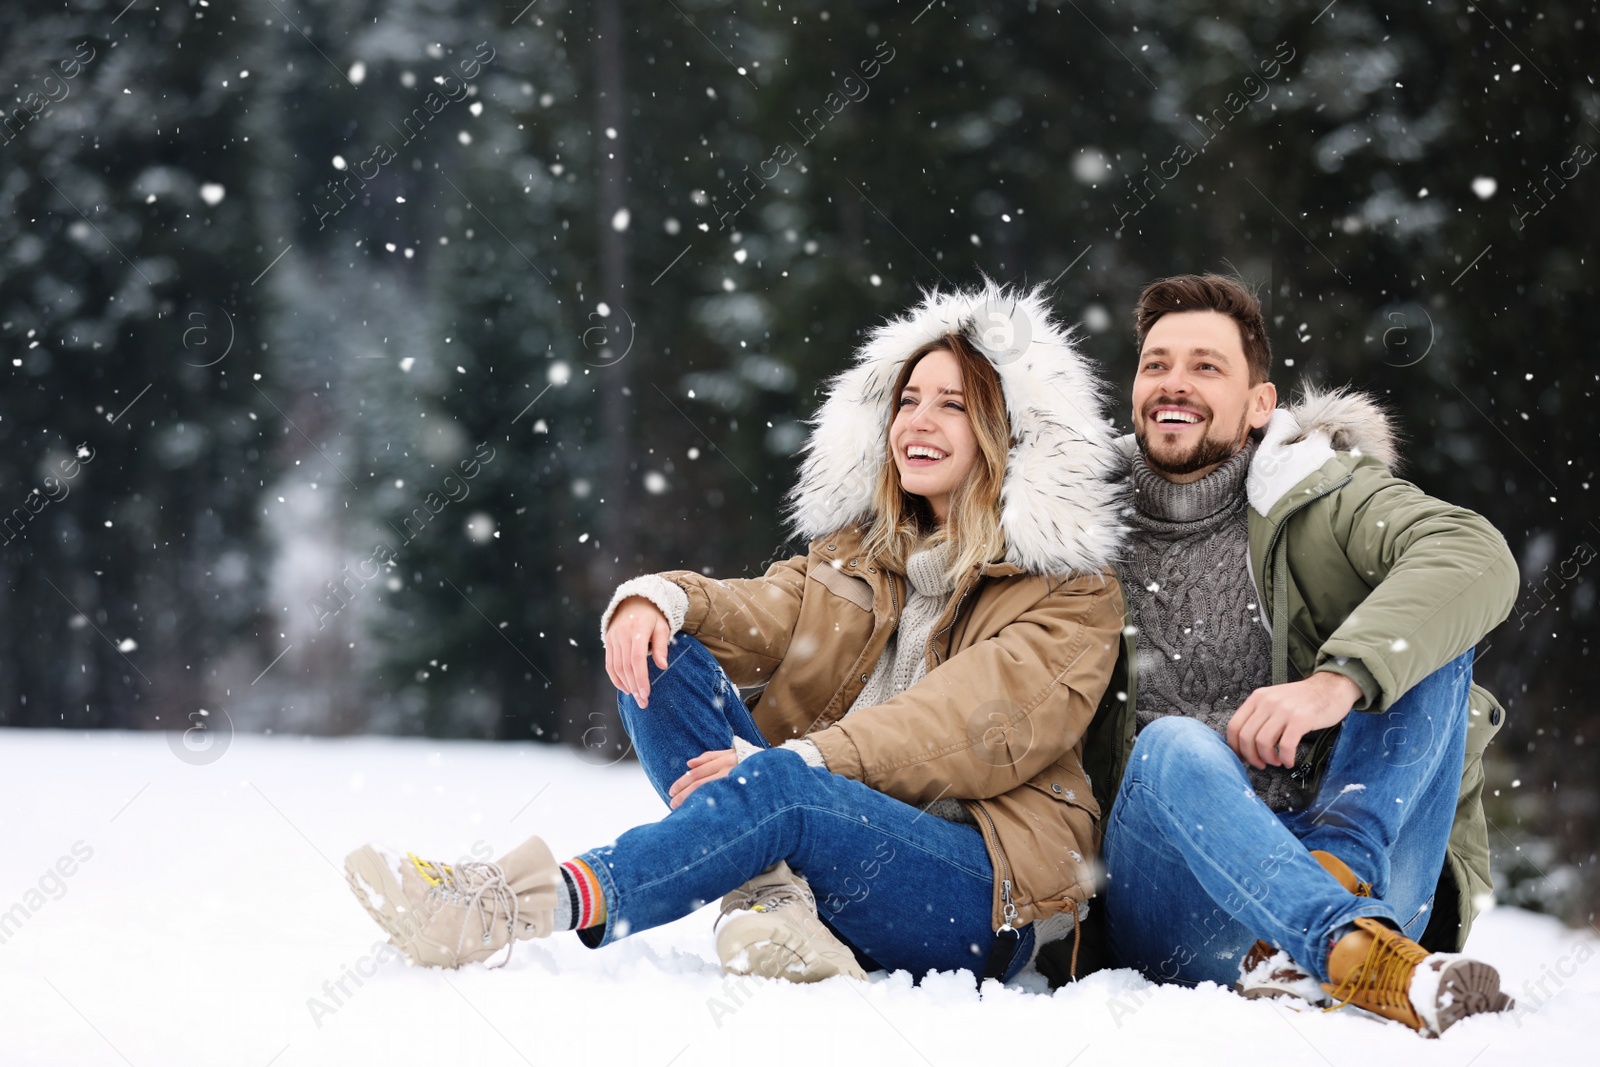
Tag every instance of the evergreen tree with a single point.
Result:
(131, 238)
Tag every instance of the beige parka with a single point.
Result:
(1021, 654)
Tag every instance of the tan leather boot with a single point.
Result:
(1388, 974)
(769, 928)
(1269, 972)
(445, 915)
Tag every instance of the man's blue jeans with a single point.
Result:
(906, 890)
(1198, 867)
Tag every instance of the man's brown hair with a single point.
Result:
(1209, 292)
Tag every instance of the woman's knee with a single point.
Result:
(690, 668)
(683, 650)
(774, 781)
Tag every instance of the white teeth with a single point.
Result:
(922, 450)
(1177, 416)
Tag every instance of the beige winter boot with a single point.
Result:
(769, 927)
(444, 915)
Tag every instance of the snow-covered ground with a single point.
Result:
(156, 911)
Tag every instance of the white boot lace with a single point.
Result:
(769, 896)
(480, 888)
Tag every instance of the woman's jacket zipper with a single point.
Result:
(934, 640)
(1008, 909)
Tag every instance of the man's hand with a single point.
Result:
(1268, 726)
(706, 767)
(637, 629)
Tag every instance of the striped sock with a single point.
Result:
(580, 902)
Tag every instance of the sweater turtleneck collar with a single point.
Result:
(925, 570)
(1157, 498)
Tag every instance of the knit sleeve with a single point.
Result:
(806, 750)
(666, 595)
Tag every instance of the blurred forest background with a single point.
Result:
(355, 350)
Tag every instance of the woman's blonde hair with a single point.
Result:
(904, 522)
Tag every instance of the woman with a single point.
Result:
(904, 788)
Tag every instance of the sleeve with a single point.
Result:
(996, 713)
(803, 748)
(808, 751)
(672, 601)
(746, 623)
(1442, 578)
(1357, 672)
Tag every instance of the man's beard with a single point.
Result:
(1207, 452)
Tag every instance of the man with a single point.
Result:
(1296, 753)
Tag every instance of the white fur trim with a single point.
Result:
(1353, 422)
(1284, 459)
(1305, 435)
(1059, 498)
(664, 593)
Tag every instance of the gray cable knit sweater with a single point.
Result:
(1203, 640)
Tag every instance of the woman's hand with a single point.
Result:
(637, 630)
(706, 767)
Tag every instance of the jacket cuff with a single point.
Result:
(665, 594)
(743, 750)
(839, 753)
(1357, 672)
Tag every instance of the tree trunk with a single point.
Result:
(617, 557)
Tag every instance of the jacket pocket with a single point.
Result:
(1080, 816)
(1069, 789)
(1486, 716)
(854, 590)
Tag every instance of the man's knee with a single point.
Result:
(1175, 734)
(1445, 689)
(1180, 748)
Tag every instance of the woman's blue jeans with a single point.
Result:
(904, 889)
(1198, 867)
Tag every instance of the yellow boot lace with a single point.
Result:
(1381, 982)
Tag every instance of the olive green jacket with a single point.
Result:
(1362, 574)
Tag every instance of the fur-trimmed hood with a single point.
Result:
(1060, 497)
(1303, 436)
